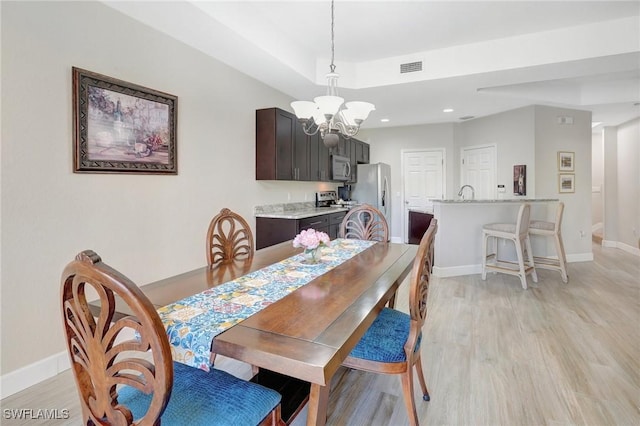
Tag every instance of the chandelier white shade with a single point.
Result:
(329, 114)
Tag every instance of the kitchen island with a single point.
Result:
(458, 245)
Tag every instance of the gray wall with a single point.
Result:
(550, 138)
(386, 147)
(597, 180)
(513, 134)
(528, 136)
(628, 168)
(149, 227)
(621, 183)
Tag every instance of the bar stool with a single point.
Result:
(551, 229)
(518, 233)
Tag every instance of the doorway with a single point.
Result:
(478, 169)
(423, 172)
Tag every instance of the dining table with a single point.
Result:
(307, 333)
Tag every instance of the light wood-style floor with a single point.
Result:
(494, 354)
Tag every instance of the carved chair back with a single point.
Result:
(420, 278)
(105, 352)
(365, 222)
(229, 238)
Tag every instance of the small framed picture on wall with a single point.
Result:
(566, 161)
(520, 179)
(566, 182)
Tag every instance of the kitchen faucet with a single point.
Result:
(461, 193)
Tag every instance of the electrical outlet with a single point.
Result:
(582, 234)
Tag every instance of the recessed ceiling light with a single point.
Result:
(447, 110)
(595, 124)
(384, 120)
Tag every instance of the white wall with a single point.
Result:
(628, 169)
(597, 180)
(149, 227)
(528, 136)
(552, 137)
(513, 134)
(386, 145)
(621, 159)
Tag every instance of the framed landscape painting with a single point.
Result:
(566, 182)
(121, 127)
(565, 161)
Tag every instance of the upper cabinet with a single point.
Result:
(285, 152)
(361, 152)
(282, 148)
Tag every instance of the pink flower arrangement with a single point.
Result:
(311, 239)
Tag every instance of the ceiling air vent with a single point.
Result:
(410, 67)
(467, 117)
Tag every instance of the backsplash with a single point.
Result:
(284, 207)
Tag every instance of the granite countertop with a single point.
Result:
(295, 210)
(510, 200)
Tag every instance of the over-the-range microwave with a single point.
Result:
(340, 168)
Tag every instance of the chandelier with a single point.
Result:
(328, 114)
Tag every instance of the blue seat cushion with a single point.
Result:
(384, 340)
(206, 398)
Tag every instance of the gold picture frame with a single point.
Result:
(121, 127)
(566, 183)
(566, 161)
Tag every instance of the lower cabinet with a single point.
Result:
(271, 231)
(335, 219)
(418, 224)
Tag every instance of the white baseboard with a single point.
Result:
(456, 271)
(396, 240)
(579, 257)
(622, 246)
(32, 374)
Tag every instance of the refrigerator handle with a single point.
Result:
(384, 195)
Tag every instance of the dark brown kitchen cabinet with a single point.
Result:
(359, 155)
(344, 147)
(282, 148)
(418, 224)
(319, 156)
(285, 152)
(362, 152)
(335, 219)
(301, 159)
(270, 231)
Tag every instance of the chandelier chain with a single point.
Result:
(332, 67)
(329, 115)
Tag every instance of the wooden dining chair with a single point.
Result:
(364, 222)
(391, 345)
(123, 368)
(229, 237)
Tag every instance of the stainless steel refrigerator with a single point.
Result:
(374, 187)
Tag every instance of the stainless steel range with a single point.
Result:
(326, 198)
(330, 199)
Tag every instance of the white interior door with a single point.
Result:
(479, 170)
(423, 181)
